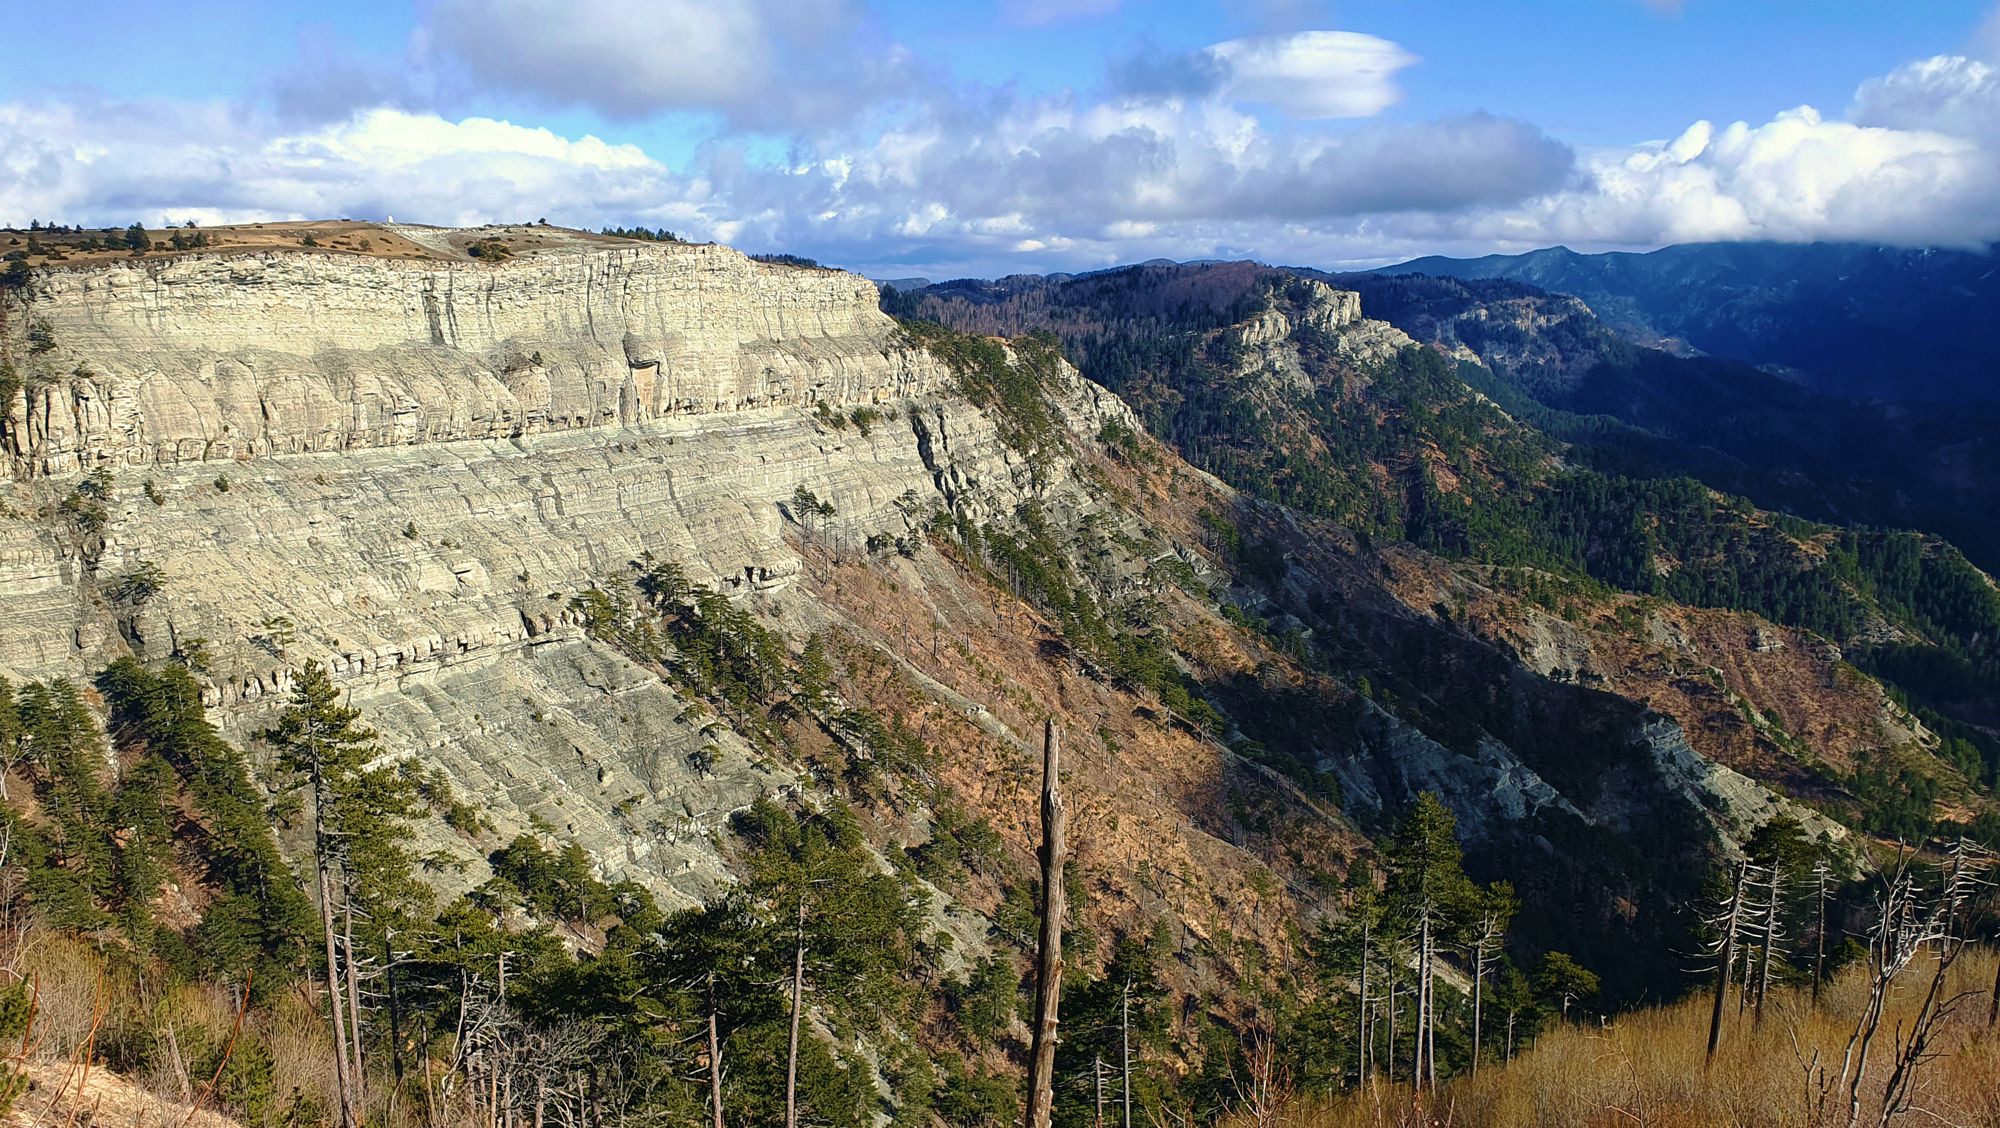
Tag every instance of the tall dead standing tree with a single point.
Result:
(1496, 907)
(1048, 952)
(1730, 922)
(1770, 930)
(1822, 880)
(1908, 924)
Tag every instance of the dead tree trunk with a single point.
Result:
(1097, 1087)
(1770, 937)
(1424, 1062)
(1048, 953)
(1478, 997)
(798, 1010)
(1821, 871)
(1125, 1049)
(1391, 1058)
(323, 848)
(1362, 1035)
(714, 1059)
(353, 994)
(1726, 957)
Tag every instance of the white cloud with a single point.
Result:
(1173, 163)
(110, 162)
(762, 63)
(1946, 94)
(1795, 178)
(1314, 74)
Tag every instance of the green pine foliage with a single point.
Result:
(364, 803)
(1013, 381)
(258, 919)
(644, 234)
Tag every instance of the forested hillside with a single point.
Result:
(1890, 322)
(1630, 409)
(1547, 443)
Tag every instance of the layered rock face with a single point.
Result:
(223, 357)
(673, 410)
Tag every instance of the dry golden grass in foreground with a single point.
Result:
(107, 1049)
(1646, 1069)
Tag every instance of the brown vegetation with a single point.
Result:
(406, 242)
(1646, 1068)
(107, 1047)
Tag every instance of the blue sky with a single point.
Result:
(905, 137)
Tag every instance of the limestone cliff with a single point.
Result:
(408, 469)
(214, 357)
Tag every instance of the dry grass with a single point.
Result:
(1647, 1069)
(69, 1098)
(91, 1012)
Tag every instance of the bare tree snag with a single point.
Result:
(1726, 957)
(714, 1058)
(1048, 953)
(1772, 930)
(1125, 1048)
(1821, 872)
(798, 1010)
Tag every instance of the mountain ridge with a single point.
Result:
(1848, 318)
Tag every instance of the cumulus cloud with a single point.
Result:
(1314, 74)
(1306, 75)
(1798, 177)
(1090, 183)
(113, 162)
(1179, 156)
(760, 63)
(1946, 94)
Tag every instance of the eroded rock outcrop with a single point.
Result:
(408, 469)
(228, 357)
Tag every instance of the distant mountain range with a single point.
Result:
(1845, 319)
(1907, 442)
(1489, 424)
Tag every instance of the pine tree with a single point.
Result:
(1120, 1013)
(1427, 893)
(63, 743)
(847, 925)
(713, 958)
(357, 809)
(144, 799)
(1563, 981)
(1513, 993)
(258, 919)
(1492, 909)
(10, 735)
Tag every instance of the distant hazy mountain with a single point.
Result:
(1846, 318)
